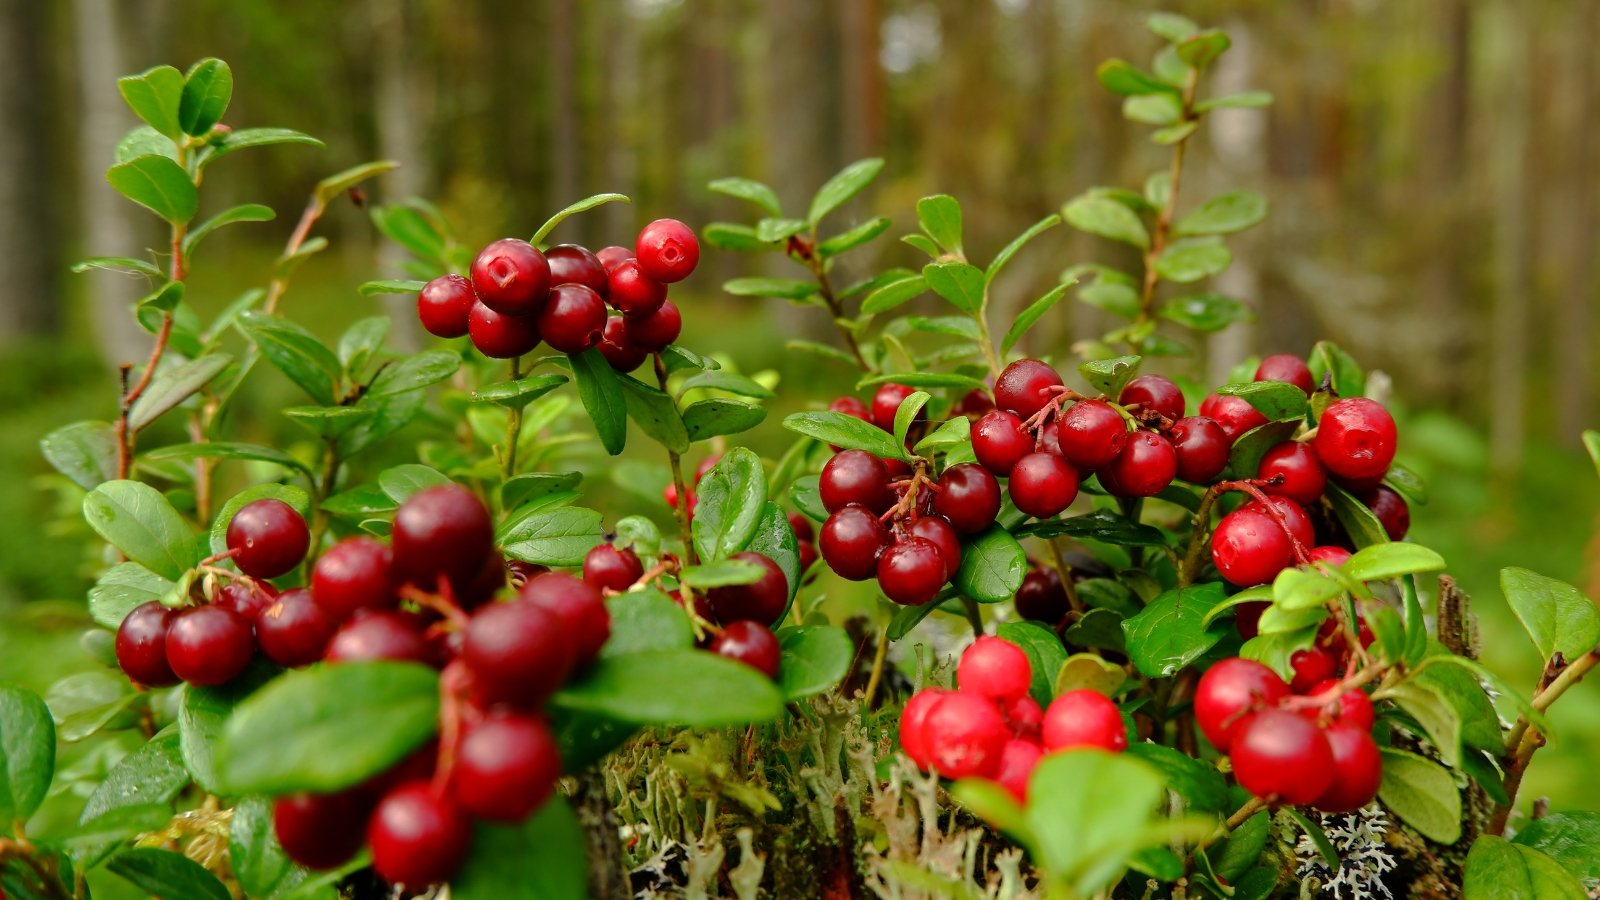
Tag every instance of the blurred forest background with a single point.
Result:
(1432, 169)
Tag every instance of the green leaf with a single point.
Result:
(583, 205)
(823, 350)
(940, 216)
(1201, 49)
(1098, 815)
(1171, 632)
(258, 861)
(1555, 614)
(600, 389)
(894, 293)
(1195, 780)
(162, 873)
(1319, 838)
(1435, 714)
(785, 288)
(735, 237)
(1276, 400)
(853, 238)
(1225, 214)
(1356, 519)
(296, 497)
(1328, 360)
(351, 721)
(732, 499)
(925, 380)
(815, 659)
(707, 690)
(1087, 671)
(417, 228)
(1191, 259)
(1242, 847)
(163, 299)
(546, 856)
(206, 91)
(331, 422)
(1480, 724)
(1113, 297)
(906, 413)
(1241, 100)
(1591, 443)
(774, 230)
(1123, 78)
(173, 385)
(390, 286)
(753, 191)
(1498, 869)
(960, 283)
(202, 714)
(154, 773)
(851, 180)
(155, 96)
(775, 539)
(646, 620)
(92, 841)
(1572, 839)
(1422, 793)
(117, 264)
(402, 482)
(656, 414)
(907, 618)
(953, 433)
(360, 503)
(139, 521)
(1154, 109)
(1045, 655)
(1107, 218)
(551, 537)
(1384, 561)
(720, 573)
(989, 801)
(331, 187)
(143, 140)
(158, 184)
(414, 373)
(521, 392)
(732, 382)
(718, 415)
(85, 452)
(1017, 243)
(1109, 375)
(1207, 312)
(243, 138)
(1035, 311)
(120, 589)
(245, 212)
(295, 352)
(1301, 589)
(992, 566)
(847, 432)
(1099, 629)
(28, 760)
(1100, 525)
(1171, 26)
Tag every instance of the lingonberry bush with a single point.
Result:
(1205, 660)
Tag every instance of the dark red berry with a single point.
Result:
(911, 571)
(1353, 707)
(1391, 510)
(998, 441)
(577, 606)
(321, 831)
(886, 404)
(667, 250)
(247, 597)
(653, 331)
(517, 653)
(622, 356)
(1294, 516)
(1083, 718)
(801, 526)
(851, 406)
(761, 601)
(573, 319)
(506, 767)
(1042, 597)
(294, 630)
(1356, 438)
(1357, 769)
(490, 580)
(808, 556)
(913, 722)
(613, 256)
(1017, 762)
(511, 277)
(1154, 392)
(1333, 556)
(209, 645)
(964, 735)
(1277, 754)
(609, 567)
(1250, 548)
(1288, 369)
(995, 668)
(1310, 667)
(442, 305)
(1144, 468)
(850, 542)
(1091, 434)
(267, 538)
(1025, 386)
(1303, 477)
(501, 336)
(1247, 618)
(1202, 447)
(142, 645)
(572, 264)
(1229, 693)
(1234, 414)
(1043, 484)
(969, 496)
(944, 536)
(417, 837)
(855, 476)
(751, 643)
(973, 404)
(441, 530)
(380, 635)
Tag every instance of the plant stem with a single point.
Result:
(322, 489)
(1524, 739)
(819, 270)
(1197, 535)
(675, 461)
(878, 659)
(973, 616)
(508, 460)
(1163, 225)
(1067, 584)
(302, 230)
(985, 339)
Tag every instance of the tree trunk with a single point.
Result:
(1506, 372)
(400, 114)
(1574, 389)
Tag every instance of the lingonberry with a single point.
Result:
(511, 277)
(965, 735)
(886, 404)
(632, 293)
(1202, 448)
(267, 538)
(1333, 556)
(506, 766)
(1310, 667)
(418, 837)
(973, 404)
(516, 653)
(913, 722)
(1234, 414)
(501, 336)
(294, 630)
(1356, 438)
(443, 304)
(851, 406)
(1391, 510)
(1043, 484)
(1024, 714)
(667, 250)
(383, 634)
(995, 668)
(801, 526)
(1286, 368)
(1247, 618)
(1304, 479)
(653, 331)
(1144, 468)
(1154, 392)
(1048, 440)
(1333, 637)
(321, 831)
(1250, 548)
(482, 587)
(622, 356)
(751, 643)
(1083, 718)
(572, 264)
(356, 573)
(142, 644)
(763, 600)
(209, 645)
(944, 536)
(969, 496)
(855, 476)
(850, 542)
(1018, 759)
(1279, 755)
(613, 256)
(247, 597)
(1357, 769)
(911, 571)
(1025, 386)
(998, 441)
(808, 556)
(441, 530)
(1042, 597)
(1293, 514)
(1091, 433)
(1229, 693)
(1353, 707)
(611, 568)
(578, 608)
(573, 319)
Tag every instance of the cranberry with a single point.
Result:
(1356, 438)
(911, 571)
(944, 536)
(763, 600)
(1025, 387)
(1303, 477)
(1234, 414)
(632, 293)
(995, 668)
(1202, 447)
(973, 404)
(418, 837)
(613, 256)
(808, 557)
(851, 406)
(511, 277)
(1311, 667)
(801, 526)
(1043, 484)
(507, 766)
(379, 635)
(613, 568)
(1333, 556)
(969, 496)
(1048, 440)
(653, 331)
(751, 643)
(356, 573)
(501, 336)
(614, 346)
(851, 540)
(442, 306)
(1391, 510)
(667, 250)
(294, 630)
(1277, 754)
(574, 319)
(1084, 718)
(142, 644)
(1286, 368)
(321, 831)
(441, 530)
(247, 597)
(491, 578)
(965, 735)
(517, 653)
(572, 264)
(1091, 433)
(1018, 759)
(1357, 770)
(913, 719)
(1144, 468)
(1331, 636)
(1042, 597)
(1247, 618)
(1154, 392)
(1229, 692)
(855, 476)
(209, 645)
(998, 441)
(1250, 548)
(886, 404)
(1024, 713)
(578, 607)
(267, 538)
(1294, 516)
(1353, 707)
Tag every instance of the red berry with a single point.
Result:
(573, 319)
(321, 831)
(801, 526)
(443, 304)
(142, 644)
(995, 668)
(572, 264)
(1357, 770)
(613, 256)
(441, 530)
(1084, 718)
(609, 567)
(209, 645)
(704, 466)
(886, 404)
(1154, 392)
(584, 619)
(653, 331)
(1025, 387)
(851, 406)
(762, 601)
(622, 356)
(1249, 548)
(1043, 484)
(1229, 693)
(1303, 477)
(1333, 556)
(267, 538)
(998, 441)
(490, 580)
(1144, 468)
(1356, 438)
(913, 720)
(417, 837)
(511, 277)
(944, 536)
(632, 293)
(247, 597)
(969, 496)
(1202, 447)
(506, 767)
(667, 250)
(973, 404)
(1353, 707)
(356, 573)
(1247, 618)
(911, 571)
(294, 630)
(1288, 369)
(1277, 754)
(1234, 414)
(851, 540)
(1024, 714)
(855, 476)
(1294, 516)
(1018, 759)
(1311, 667)
(501, 336)
(1042, 597)
(1091, 434)
(1391, 510)
(965, 735)
(808, 557)
(517, 653)
(380, 635)
(751, 643)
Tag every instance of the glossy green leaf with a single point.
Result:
(173, 385)
(414, 373)
(1197, 781)
(27, 753)
(258, 861)
(206, 91)
(850, 180)
(390, 286)
(1171, 632)
(735, 237)
(1191, 259)
(85, 452)
(1572, 839)
(1241, 100)
(960, 283)
(774, 538)
(1108, 376)
(854, 237)
(1225, 214)
(1171, 26)
(732, 382)
(583, 205)
(753, 191)
(1356, 519)
(1244, 460)
(654, 411)
(521, 392)
(162, 873)
(1327, 360)
(1032, 314)
(153, 773)
(532, 486)
(551, 537)
(1106, 218)
(707, 690)
(1123, 78)
(546, 856)
(1498, 869)
(331, 187)
(1045, 655)
(118, 264)
(732, 500)
(295, 352)
(1383, 561)
(139, 521)
(158, 184)
(1098, 815)
(814, 660)
(1202, 48)
(1153, 109)
(244, 138)
(1422, 793)
(600, 389)
(1555, 614)
(717, 416)
(244, 212)
(784, 288)
(1300, 589)
(952, 433)
(894, 293)
(844, 431)
(202, 714)
(1276, 400)
(121, 588)
(404, 481)
(646, 620)
(940, 216)
(1101, 525)
(992, 566)
(155, 96)
(1207, 312)
(1437, 716)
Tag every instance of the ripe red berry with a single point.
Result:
(1333, 556)
(356, 573)
(1043, 484)
(1084, 718)
(808, 557)
(995, 668)
(667, 250)
(1154, 392)
(511, 277)
(762, 601)
(294, 630)
(613, 256)
(1310, 667)
(851, 406)
(751, 643)
(1024, 714)
(1247, 618)
(1391, 510)
(584, 619)
(969, 496)
(801, 526)
(1277, 754)
(913, 725)
(609, 567)
(442, 306)
(944, 536)
(1249, 548)
(614, 346)
(441, 530)
(632, 293)
(380, 635)
(965, 735)
(572, 264)
(1288, 369)
(267, 538)
(855, 476)
(501, 336)
(573, 319)
(1357, 770)
(417, 837)
(998, 441)
(247, 597)
(209, 645)
(1303, 477)
(911, 571)
(653, 331)
(1234, 414)
(517, 653)
(321, 831)
(1294, 516)
(1144, 468)
(1042, 597)
(1018, 759)
(1202, 447)
(1091, 433)
(142, 644)
(1025, 386)
(973, 404)
(886, 404)
(1229, 693)
(1356, 438)
(506, 767)
(1353, 707)
(850, 542)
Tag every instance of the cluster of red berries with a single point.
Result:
(518, 296)
(1304, 748)
(990, 728)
